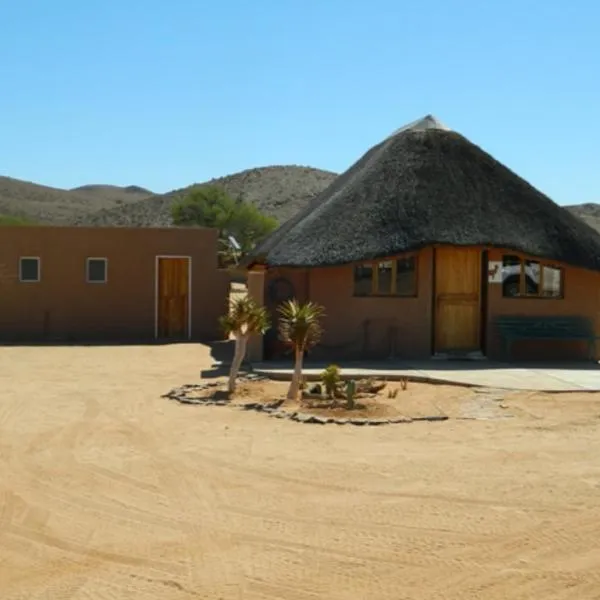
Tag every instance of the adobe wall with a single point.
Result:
(63, 306)
(366, 326)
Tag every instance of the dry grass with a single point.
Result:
(109, 491)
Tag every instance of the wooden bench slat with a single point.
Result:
(513, 328)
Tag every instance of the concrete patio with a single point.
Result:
(546, 377)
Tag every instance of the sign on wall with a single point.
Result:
(495, 271)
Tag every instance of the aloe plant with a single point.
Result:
(244, 320)
(300, 325)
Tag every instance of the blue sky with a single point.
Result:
(162, 94)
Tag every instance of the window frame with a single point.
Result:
(39, 269)
(374, 264)
(88, 260)
(523, 295)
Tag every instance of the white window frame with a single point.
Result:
(87, 269)
(39, 269)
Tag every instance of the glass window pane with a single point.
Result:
(96, 270)
(406, 277)
(384, 277)
(552, 282)
(532, 278)
(363, 280)
(511, 276)
(29, 269)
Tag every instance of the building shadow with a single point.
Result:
(221, 353)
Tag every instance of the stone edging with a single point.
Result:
(273, 409)
(181, 395)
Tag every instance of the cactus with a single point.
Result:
(350, 393)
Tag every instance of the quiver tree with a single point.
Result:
(245, 319)
(300, 326)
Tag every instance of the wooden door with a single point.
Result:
(173, 302)
(457, 300)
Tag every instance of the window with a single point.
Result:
(386, 278)
(96, 270)
(523, 278)
(552, 282)
(406, 280)
(363, 280)
(29, 269)
(383, 281)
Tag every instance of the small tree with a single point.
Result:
(244, 320)
(300, 325)
(212, 206)
(207, 206)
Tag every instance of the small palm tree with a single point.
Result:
(299, 324)
(245, 319)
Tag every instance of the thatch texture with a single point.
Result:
(427, 185)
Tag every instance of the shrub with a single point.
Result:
(331, 378)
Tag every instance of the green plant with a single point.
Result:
(350, 394)
(15, 221)
(212, 206)
(331, 378)
(244, 319)
(300, 326)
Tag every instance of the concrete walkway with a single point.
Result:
(548, 377)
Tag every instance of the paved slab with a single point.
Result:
(574, 377)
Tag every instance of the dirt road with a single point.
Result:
(108, 491)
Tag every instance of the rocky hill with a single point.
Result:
(590, 213)
(278, 191)
(114, 193)
(43, 204)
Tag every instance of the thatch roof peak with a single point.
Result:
(421, 186)
(427, 122)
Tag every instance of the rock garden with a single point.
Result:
(334, 399)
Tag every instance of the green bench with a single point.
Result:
(512, 329)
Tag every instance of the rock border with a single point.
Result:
(273, 409)
(181, 394)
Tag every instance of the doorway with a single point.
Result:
(173, 305)
(457, 301)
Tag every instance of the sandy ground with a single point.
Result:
(108, 491)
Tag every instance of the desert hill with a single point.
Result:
(589, 212)
(43, 204)
(278, 191)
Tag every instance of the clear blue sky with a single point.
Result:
(164, 93)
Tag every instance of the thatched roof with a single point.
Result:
(427, 185)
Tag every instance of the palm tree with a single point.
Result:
(245, 319)
(300, 325)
